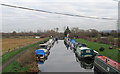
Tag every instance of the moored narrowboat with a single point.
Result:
(84, 52)
(39, 54)
(72, 44)
(106, 65)
(45, 48)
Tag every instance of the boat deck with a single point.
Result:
(110, 62)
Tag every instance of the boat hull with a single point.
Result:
(105, 68)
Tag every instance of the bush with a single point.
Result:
(101, 49)
(103, 40)
(23, 60)
(33, 67)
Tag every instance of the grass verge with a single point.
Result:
(24, 63)
(15, 67)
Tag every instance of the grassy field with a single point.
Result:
(113, 54)
(23, 64)
(9, 55)
(17, 43)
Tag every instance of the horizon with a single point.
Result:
(107, 31)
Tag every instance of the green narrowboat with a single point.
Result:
(78, 45)
(84, 52)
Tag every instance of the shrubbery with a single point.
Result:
(26, 60)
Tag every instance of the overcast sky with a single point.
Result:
(14, 19)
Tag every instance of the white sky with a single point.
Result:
(14, 19)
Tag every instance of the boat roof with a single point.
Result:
(83, 48)
(110, 62)
(50, 39)
(72, 40)
(43, 44)
(38, 52)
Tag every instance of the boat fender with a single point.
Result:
(103, 57)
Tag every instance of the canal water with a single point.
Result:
(62, 59)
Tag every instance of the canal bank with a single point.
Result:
(61, 59)
(23, 62)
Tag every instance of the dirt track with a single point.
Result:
(10, 60)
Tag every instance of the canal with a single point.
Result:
(62, 59)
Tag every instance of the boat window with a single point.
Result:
(87, 51)
(82, 52)
(45, 47)
(80, 46)
(83, 45)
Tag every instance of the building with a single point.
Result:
(37, 36)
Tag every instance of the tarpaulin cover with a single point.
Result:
(72, 40)
(38, 52)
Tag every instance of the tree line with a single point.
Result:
(76, 32)
(94, 35)
(40, 33)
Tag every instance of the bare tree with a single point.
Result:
(57, 29)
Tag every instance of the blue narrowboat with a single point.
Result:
(72, 44)
(39, 54)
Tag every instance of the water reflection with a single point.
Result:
(41, 61)
(62, 60)
(67, 46)
(86, 63)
